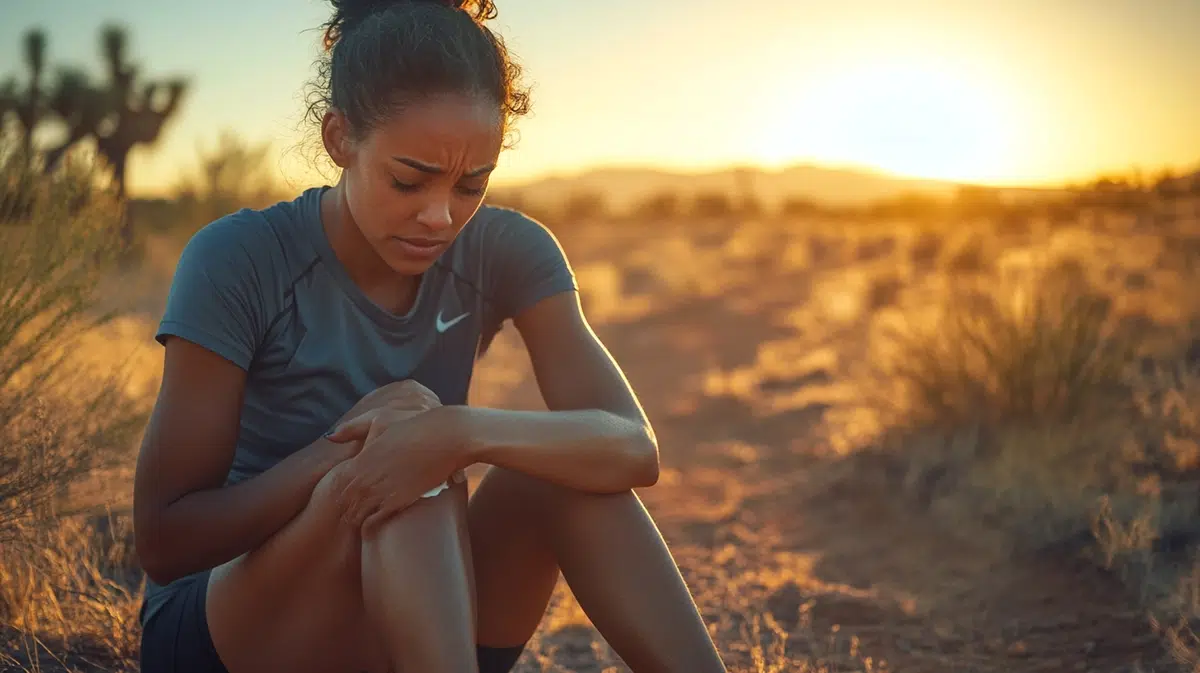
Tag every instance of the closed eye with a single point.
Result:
(404, 186)
(409, 188)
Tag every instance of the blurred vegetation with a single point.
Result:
(112, 116)
(1038, 375)
(55, 421)
(60, 419)
(231, 175)
(971, 205)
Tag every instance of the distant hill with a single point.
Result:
(623, 187)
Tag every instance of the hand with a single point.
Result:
(404, 395)
(405, 453)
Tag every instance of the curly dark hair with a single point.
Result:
(381, 55)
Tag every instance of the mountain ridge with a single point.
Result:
(623, 186)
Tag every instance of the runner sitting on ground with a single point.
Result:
(272, 544)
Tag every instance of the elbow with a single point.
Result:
(152, 563)
(153, 555)
(644, 462)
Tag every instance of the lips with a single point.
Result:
(421, 248)
(422, 242)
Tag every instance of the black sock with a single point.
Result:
(497, 659)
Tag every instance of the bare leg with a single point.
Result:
(610, 552)
(413, 598)
(296, 604)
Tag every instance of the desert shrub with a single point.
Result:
(1011, 403)
(712, 205)
(59, 420)
(50, 262)
(67, 606)
(231, 175)
(1041, 347)
(799, 206)
(584, 206)
(657, 207)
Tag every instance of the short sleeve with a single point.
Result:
(215, 298)
(527, 265)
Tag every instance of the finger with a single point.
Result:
(363, 510)
(388, 508)
(420, 391)
(372, 522)
(357, 428)
(355, 489)
(361, 502)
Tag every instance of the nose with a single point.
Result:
(435, 216)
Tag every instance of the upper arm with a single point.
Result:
(574, 369)
(534, 285)
(189, 443)
(214, 320)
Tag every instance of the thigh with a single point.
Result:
(514, 565)
(296, 604)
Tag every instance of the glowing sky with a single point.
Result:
(1021, 91)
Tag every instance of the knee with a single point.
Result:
(344, 541)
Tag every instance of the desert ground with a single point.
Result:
(828, 518)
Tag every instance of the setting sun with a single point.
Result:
(909, 119)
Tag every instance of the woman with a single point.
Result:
(273, 543)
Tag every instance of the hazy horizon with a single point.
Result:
(1024, 94)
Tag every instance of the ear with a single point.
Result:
(335, 133)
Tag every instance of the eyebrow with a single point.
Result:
(438, 170)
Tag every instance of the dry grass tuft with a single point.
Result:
(59, 421)
(1018, 400)
(1043, 404)
(1008, 352)
(67, 597)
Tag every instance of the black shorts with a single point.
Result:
(175, 636)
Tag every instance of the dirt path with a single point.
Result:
(798, 572)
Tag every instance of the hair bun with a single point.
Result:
(350, 12)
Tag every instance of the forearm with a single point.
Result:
(206, 528)
(588, 449)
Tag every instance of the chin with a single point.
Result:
(409, 267)
(410, 261)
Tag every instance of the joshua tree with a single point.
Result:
(81, 106)
(119, 114)
(140, 114)
(28, 105)
(8, 97)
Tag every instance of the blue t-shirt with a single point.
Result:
(263, 289)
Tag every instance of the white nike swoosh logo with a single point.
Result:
(443, 325)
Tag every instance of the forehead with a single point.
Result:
(444, 129)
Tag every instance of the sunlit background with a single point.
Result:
(1014, 93)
